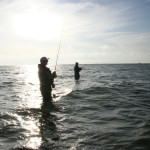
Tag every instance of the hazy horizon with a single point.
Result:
(80, 64)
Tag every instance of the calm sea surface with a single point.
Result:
(107, 109)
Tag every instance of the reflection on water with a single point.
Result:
(31, 121)
(48, 122)
(39, 126)
(31, 95)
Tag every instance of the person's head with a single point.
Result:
(76, 63)
(44, 61)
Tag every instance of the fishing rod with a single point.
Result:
(59, 47)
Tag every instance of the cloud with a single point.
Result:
(94, 31)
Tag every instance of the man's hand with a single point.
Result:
(54, 74)
(53, 85)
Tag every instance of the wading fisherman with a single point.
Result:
(46, 79)
(77, 69)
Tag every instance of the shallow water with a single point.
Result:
(107, 109)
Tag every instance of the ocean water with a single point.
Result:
(107, 109)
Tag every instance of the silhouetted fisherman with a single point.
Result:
(77, 69)
(46, 80)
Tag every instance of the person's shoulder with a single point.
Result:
(43, 69)
(47, 68)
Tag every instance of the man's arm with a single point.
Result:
(54, 75)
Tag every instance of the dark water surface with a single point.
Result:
(107, 109)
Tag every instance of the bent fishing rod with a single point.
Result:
(59, 47)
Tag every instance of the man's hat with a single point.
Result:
(44, 59)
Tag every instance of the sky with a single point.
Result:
(87, 31)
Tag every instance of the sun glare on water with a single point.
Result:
(38, 25)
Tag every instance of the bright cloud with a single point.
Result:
(93, 32)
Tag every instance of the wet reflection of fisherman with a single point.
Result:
(77, 69)
(48, 126)
(46, 80)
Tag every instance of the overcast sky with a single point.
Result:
(93, 31)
